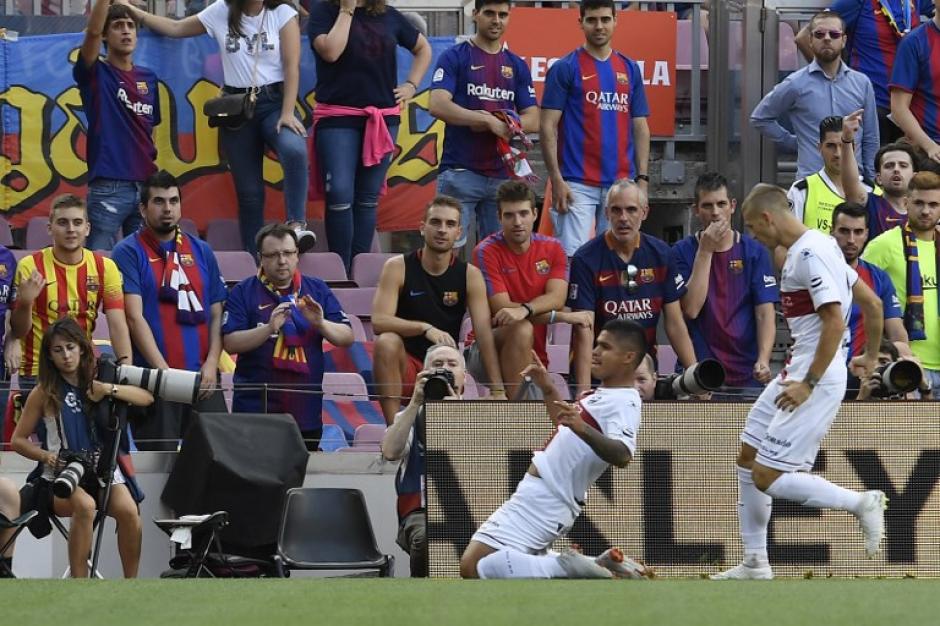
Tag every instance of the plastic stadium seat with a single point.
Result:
(189, 227)
(344, 386)
(37, 233)
(224, 234)
(359, 331)
(559, 334)
(19, 254)
(326, 266)
(101, 328)
(228, 388)
(470, 389)
(356, 300)
(367, 267)
(6, 236)
(560, 385)
(557, 359)
(328, 529)
(369, 436)
(666, 356)
(236, 265)
(332, 438)
(465, 327)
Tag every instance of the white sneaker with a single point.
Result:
(576, 565)
(306, 240)
(749, 569)
(871, 517)
(621, 566)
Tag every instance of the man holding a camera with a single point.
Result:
(442, 377)
(173, 298)
(897, 375)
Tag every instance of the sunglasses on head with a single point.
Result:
(833, 34)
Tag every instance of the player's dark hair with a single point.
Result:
(589, 5)
(632, 334)
(479, 4)
(709, 181)
(119, 12)
(899, 146)
(826, 15)
(277, 230)
(443, 200)
(514, 191)
(831, 124)
(161, 179)
(849, 209)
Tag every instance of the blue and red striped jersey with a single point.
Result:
(880, 283)
(183, 346)
(598, 101)
(882, 216)
(600, 282)
(726, 328)
(122, 108)
(917, 71)
(873, 38)
(480, 81)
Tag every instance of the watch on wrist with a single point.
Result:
(643, 177)
(529, 310)
(811, 381)
(113, 391)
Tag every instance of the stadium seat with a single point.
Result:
(470, 389)
(326, 266)
(344, 386)
(356, 300)
(6, 236)
(19, 254)
(189, 227)
(19, 524)
(328, 529)
(332, 438)
(561, 385)
(224, 234)
(101, 332)
(228, 389)
(465, 327)
(236, 265)
(37, 233)
(368, 437)
(557, 359)
(367, 267)
(359, 331)
(559, 334)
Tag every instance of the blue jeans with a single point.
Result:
(113, 207)
(934, 377)
(244, 149)
(585, 208)
(477, 195)
(352, 190)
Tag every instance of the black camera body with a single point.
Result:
(80, 469)
(706, 375)
(438, 384)
(897, 378)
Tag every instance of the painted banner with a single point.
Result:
(43, 126)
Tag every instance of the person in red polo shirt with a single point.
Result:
(526, 283)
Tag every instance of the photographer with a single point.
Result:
(62, 411)
(900, 385)
(644, 380)
(400, 442)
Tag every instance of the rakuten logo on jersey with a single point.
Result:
(638, 309)
(137, 108)
(493, 94)
(609, 100)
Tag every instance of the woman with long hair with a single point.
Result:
(259, 41)
(62, 411)
(356, 117)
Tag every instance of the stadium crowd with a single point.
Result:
(500, 315)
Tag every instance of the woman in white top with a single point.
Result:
(239, 26)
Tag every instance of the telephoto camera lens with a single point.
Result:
(67, 480)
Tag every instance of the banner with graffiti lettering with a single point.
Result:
(43, 130)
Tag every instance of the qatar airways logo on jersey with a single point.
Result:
(635, 309)
(493, 94)
(609, 100)
(137, 108)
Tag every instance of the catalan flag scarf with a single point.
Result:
(914, 308)
(289, 353)
(175, 286)
(514, 151)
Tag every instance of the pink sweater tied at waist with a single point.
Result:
(376, 142)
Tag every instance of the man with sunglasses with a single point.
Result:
(824, 88)
(628, 275)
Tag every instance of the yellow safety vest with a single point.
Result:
(821, 199)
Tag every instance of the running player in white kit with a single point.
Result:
(598, 431)
(790, 418)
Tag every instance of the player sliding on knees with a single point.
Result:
(596, 432)
(788, 421)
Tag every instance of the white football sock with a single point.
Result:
(514, 564)
(815, 491)
(754, 508)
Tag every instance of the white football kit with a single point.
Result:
(544, 508)
(814, 273)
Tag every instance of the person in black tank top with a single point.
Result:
(421, 301)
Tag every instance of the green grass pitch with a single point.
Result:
(817, 602)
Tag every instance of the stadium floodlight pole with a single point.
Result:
(117, 417)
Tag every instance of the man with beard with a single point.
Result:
(909, 255)
(593, 129)
(122, 107)
(473, 80)
(173, 298)
(824, 88)
(420, 302)
(895, 165)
